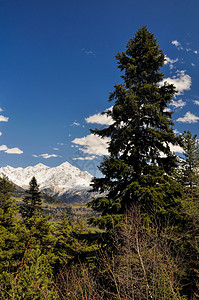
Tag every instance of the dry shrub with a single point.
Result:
(77, 282)
(141, 266)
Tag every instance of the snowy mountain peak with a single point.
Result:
(57, 179)
(40, 165)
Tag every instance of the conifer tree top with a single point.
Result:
(142, 59)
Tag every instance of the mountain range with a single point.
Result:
(64, 182)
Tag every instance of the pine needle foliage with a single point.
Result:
(138, 169)
(32, 202)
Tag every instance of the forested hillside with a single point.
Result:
(141, 241)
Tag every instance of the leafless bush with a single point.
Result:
(140, 267)
(77, 282)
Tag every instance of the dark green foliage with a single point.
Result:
(188, 175)
(33, 280)
(39, 230)
(7, 209)
(188, 172)
(12, 232)
(139, 167)
(31, 203)
(71, 240)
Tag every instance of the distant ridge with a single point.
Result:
(65, 181)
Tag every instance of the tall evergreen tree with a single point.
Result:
(140, 163)
(32, 202)
(189, 164)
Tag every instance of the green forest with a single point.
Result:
(143, 240)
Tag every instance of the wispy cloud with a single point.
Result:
(56, 149)
(196, 102)
(75, 124)
(188, 118)
(100, 118)
(88, 52)
(181, 81)
(170, 61)
(46, 155)
(176, 131)
(177, 44)
(187, 48)
(93, 144)
(92, 157)
(191, 50)
(61, 144)
(7, 150)
(178, 104)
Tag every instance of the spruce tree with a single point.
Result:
(38, 225)
(189, 164)
(138, 169)
(32, 202)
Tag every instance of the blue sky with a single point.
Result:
(57, 67)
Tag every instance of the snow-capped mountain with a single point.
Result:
(58, 181)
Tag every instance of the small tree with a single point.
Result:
(32, 202)
(36, 222)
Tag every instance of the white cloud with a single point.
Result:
(3, 119)
(193, 65)
(188, 118)
(182, 81)
(178, 104)
(1, 109)
(75, 124)
(176, 131)
(101, 119)
(7, 150)
(177, 44)
(93, 144)
(14, 151)
(167, 109)
(45, 155)
(0, 133)
(56, 149)
(85, 158)
(170, 62)
(196, 52)
(3, 148)
(177, 149)
(196, 102)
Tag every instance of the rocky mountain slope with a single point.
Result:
(65, 182)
